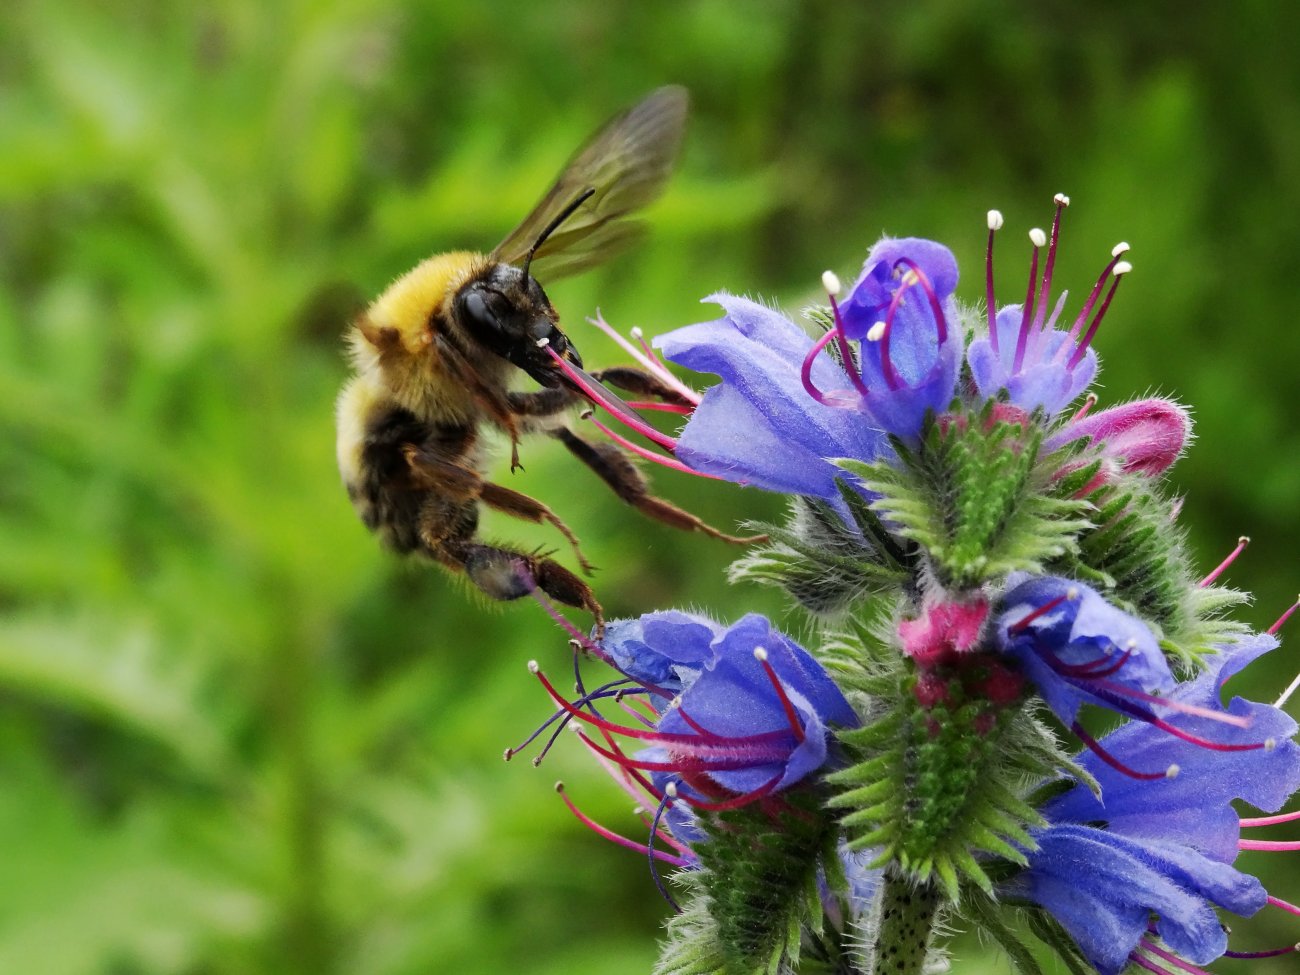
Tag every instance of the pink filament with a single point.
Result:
(609, 834)
(988, 292)
(805, 372)
(602, 397)
(1277, 820)
(1281, 620)
(1023, 338)
(1041, 312)
(1173, 959)
(1095, 747)
(1284, 905)
(1047, 607)
(1092, 328)
(790, 714)
(647, 359)
(672, 463)
(1242, 542)
(1273, 846)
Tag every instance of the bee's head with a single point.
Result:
(506, 311)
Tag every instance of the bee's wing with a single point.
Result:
(625, 166)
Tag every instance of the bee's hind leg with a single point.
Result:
(615, 469)
(506, 575)
(530, 509)
(461, 482)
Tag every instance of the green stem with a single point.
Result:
(907, 912)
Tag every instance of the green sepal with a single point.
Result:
(975, 497)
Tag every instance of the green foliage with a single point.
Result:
(819, 562)
(759, 875)
(237, 739)
(1135, 552)
(972, 496)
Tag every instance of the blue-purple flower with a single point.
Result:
(902, 313)
(1023, 352)
(1078, 648)
(1164, 845)
(758, 425)
(727, 714)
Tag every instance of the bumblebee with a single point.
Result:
(436, 353)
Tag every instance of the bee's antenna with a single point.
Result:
(562, 216)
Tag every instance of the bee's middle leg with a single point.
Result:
(461, 482)
(615, 469)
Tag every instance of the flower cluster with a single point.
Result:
(991, 565)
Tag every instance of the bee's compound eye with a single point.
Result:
(475, 307)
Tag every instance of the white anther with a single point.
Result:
(670, 790)
(1122, 268)
(534, 667)
(1038, 238)
(1061, 200)
(638, 810)
(543, 343)
(1120, 248)
(995, 220)
(1270, 744)
(1243, 540)
(1172, 771)
(636, 332)
(876, 332)
(831, 282)
(760, 654)
(1131, 644)
(1072, 592)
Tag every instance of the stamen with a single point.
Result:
(664, 803)
(832, 285)
(1148, 964)
(616, 408)
(1148, 945)
(613, 837)
(1120, 269)
(1095, 747)
(735, 802)
(1069, 594)
(1281, 620)
(1290, 817)
(1115, 253)
(1286, 695)
(685, 763)
(672, 463)
(791, 714)
(647, 358)
(1271, 953)
(995, 224)
(1101, 667)
(880, 330)
(940, 320)
(1242, 542)
(1062, 201)
(805, 372)
(1284, 905)
(1038, 239)
(697, 745)
(1275, 846)
(643, 404)
(1089, 402)
(574, 633)
(1176, 705)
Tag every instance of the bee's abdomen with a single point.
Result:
(387, 496)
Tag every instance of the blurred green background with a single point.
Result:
(235, 736)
